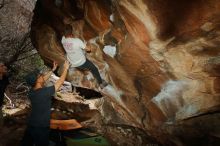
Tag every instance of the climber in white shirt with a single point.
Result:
(74, 48)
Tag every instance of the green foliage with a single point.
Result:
(26, 65)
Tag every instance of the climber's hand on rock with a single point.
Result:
(54, 66)
(66, 64)
(89, 48)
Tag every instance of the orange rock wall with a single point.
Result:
(166, 66)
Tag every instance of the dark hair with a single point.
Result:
(68, 30)
(31, 77)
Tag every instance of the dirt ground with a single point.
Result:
(12, 131)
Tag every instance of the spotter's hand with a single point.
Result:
(54, 66)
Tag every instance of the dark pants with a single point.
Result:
(36, 136)
(90, 66)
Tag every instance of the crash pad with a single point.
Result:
(65, 124)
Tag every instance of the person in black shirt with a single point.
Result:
(3, 84)
(37, 132)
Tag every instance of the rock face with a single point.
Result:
(166, 67)
(15, 20)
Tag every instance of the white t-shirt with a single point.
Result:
(74, 50)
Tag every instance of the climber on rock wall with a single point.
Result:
(75, 54)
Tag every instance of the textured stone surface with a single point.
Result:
(164, 71)
(166, 68)
(15, 20)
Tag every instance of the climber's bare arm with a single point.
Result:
(62, 77)
(49, 73)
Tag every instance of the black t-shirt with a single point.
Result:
(3, 84)
(41, 104)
